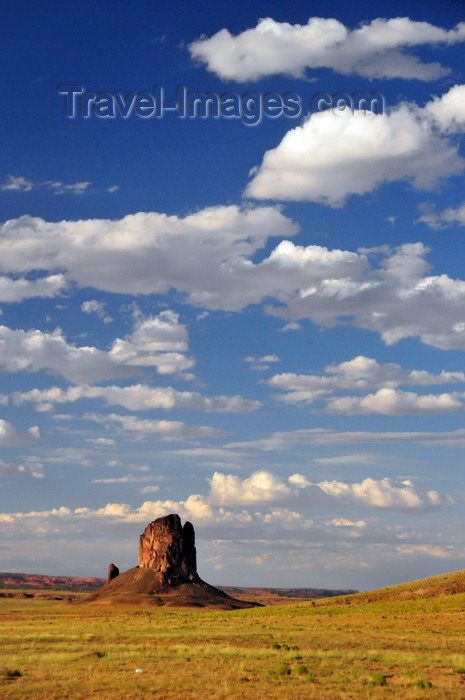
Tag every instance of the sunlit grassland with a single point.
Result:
(327, 649)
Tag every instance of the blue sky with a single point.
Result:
(260, 327)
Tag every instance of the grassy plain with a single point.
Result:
(327, 649)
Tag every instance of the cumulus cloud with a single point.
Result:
(394, 402)
(375, 50)
(19, 289)
(332, 156)
(260, 487)
(448, 111)
(138, 397)
(150, 253)
(383, 493)
(362, 373)
(261, 506)
(446, 217)
(9, 435)
(383, 290)
(263, 487)
(395, 297)
(158, 342)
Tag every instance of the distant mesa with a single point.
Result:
(166, 573)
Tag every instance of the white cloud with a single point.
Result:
(345, 522)
(448, 111)
(383, 493)
(151, 253)
(9, 435)
(396, 298)
(76, 188)
(19, 289)
(18, 184)
(332, 156)
(21, 184)
(263, 487)
(277, 522)
(447, 217)
(362, 373)
(383, 290)
(431, 550)
(261, 363)
(92, 306)
(284, 440)
(394, 402)
(157, 341)
(164, 430)
(138, 397)
(260, 487)
(128, 479)
(374, 50)
(20, 470)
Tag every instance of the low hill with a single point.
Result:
(270, 596)
(442, 585)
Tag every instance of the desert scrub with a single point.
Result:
(319, 656)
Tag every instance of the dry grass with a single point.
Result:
(384, 648)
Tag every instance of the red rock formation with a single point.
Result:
(168, 548)
(113, 572)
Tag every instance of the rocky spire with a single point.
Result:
(168, 548)
(113, 572)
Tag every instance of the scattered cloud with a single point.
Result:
(378, 49)
(382, 290)
(443, 218)
(20, 470)
(426, 549)
(138, 397)
(164, 430)
(261, 363)
(284, 440)
(335, 155)
(362, 373)
(77, 188)
(390, 298)
(151, 253)
(9, 435)
(92, 306)
(17, 184)
(17, 290)
(394, 402)
(21, 184)
(158, 342)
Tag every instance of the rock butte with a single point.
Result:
(166, 573)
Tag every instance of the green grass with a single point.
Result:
(408, 648)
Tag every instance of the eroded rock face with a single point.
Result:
(113, 572)
(168, 548)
